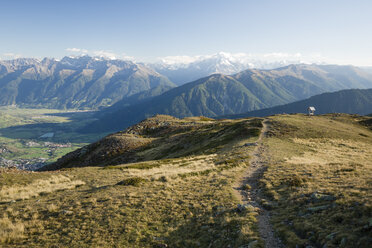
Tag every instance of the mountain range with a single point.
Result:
(134, 91)
(249, 90)
(184, 69)
(75, 82)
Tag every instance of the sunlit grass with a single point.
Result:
(178, 201)
(319, 181)
(10, 231)
(21, 192)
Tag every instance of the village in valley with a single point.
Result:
(31, 164)
(32, 138)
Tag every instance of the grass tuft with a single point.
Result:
(42, 186)
(134, 181)
(10, 231)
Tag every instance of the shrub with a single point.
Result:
(133, 181)
(256, 123)
(246, 187)
(294, 181)
(10, 231)
(203, 118)
(143, 166)
(253, 132)
(163, 179)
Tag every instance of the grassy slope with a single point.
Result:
(156, 138)
(317, 185)
(183, 199)
(319, 180)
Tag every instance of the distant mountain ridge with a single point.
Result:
(353, 101)
(181, 72)
(367, 69)
(249, 90)
(74, 82)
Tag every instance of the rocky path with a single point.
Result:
(251, 196)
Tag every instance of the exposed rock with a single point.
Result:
(246, 207)
(319, 197)
(250, 144)
(67, 212)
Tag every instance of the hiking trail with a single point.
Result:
(251, 196)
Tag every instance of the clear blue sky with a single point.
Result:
(147, 29)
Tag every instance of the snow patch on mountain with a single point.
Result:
(252, 60)
(182, 69)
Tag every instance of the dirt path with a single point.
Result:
(251, 196)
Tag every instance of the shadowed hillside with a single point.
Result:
(159, 137)
(345, 101)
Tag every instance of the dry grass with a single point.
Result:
(318, 185)
(21, 192)
(319, 181)
(193, 164)
(325, 151)
(10, 231)
(180, 212)
(183, 201)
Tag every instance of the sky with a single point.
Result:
(340, 31)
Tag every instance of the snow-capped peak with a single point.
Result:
(192, 67)
(265, 61)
